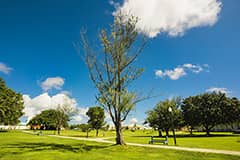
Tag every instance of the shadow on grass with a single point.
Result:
(38, 147)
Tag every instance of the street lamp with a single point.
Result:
(172, 124)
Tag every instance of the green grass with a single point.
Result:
(223, 141)
(77, 133)
(21, 146)
(218, 140)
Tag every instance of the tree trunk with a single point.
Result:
(87, 133)
(207, 131)
(159, 133)
(167, 134)
(119, 136)
(58, 130)
(174, 137)
(97, 133)
(191, 131)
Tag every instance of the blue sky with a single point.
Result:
(36, 43)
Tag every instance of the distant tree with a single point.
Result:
(230, 111)
(44, 119)
(111, 71)
(50, 119)
(209, 110)
(11, 105)
(96, 118)
(61, 118)
(190, 113)
(63, 114)
(166, 116)
(85, 128)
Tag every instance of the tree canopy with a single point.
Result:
(96, 118)
(50, 119)
(210, 109)
(11, 105)
(166, 115)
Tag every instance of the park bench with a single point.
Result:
(158, 140)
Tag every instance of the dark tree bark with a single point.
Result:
(159, 133)
(167, 132)
(174, 137)
(119, 135)
(97, 133)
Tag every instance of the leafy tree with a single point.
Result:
(190, 113)
(209, 110)
(49, 119)
(230, 111)
(63, 112)
(111, 70)
(61, 119)
(45, 119)
(96, 118)
(85, 128)
(11, 105)
(165, 116)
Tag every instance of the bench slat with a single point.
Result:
(154, 139)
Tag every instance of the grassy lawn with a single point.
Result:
(222, 140)
(22, 146)
(77, 133)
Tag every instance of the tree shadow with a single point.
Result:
(38, 147)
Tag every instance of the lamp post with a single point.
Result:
(172, 124)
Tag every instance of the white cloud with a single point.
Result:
(4, 68)
(195, 68)
(52, 82)
(180, 71)
(172, 74)
(218, 90)
(43, 102)
(173, 17)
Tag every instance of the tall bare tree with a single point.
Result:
(112, 71)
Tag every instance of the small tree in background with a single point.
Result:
(190, 113)
(209, 110)
(231, 111)
(166, 115)
(50, 119)
(96, 118)
(85, 128)
(60, 117)
(63, 114)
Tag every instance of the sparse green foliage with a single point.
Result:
(96, 118)
(11, 105)
(111, 70)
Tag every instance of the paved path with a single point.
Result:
(103, 140)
